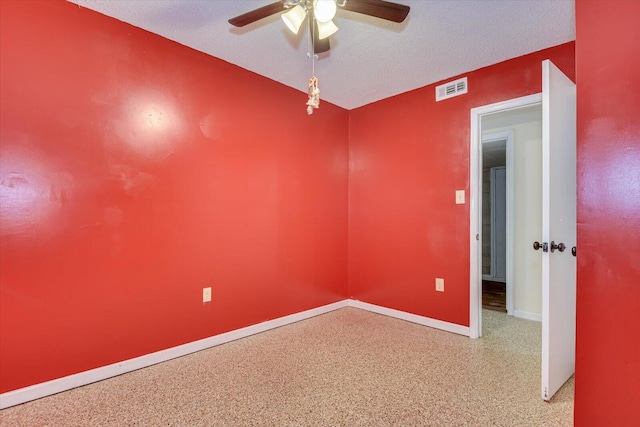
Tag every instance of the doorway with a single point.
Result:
(492, 123)
(557, 206)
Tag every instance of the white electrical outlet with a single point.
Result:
(206, 294)
(459, 197)
(439, 284)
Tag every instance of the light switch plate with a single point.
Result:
(206, 294)
(439, 284)
(459, 197)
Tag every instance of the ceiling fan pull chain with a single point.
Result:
(314, 95)
(314, 92)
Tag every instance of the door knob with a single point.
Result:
(543, 245)
(573, 251)
(560, 246)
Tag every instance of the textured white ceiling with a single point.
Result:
(370, 59)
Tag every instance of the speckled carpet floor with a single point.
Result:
(346, 368)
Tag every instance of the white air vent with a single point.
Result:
(451, 89)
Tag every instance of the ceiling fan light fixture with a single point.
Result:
(294, 18)
(324, 10)
(326, 29)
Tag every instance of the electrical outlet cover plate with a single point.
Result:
(439, 284)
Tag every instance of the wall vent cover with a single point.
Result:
(451, 89)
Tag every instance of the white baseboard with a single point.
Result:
(48, 388)
(527, 315)
(414, 318)
(58, 385)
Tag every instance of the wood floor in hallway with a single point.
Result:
(494, 296)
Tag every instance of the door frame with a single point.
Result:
(475, 205)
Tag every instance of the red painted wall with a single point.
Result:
(133, 173)
(608, 309)
(408, 155)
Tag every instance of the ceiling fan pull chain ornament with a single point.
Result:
(314, 95)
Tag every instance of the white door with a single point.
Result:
(558, 228)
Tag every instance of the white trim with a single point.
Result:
(409, 317)
(511, 211)
(475, 197)
(475, 228)
(527, 315)
(492, 203)
(58, 385)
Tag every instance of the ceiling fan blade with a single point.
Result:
(378, 8)
(257, 14)
(319, 45)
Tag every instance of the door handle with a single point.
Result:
(544, 246)
(573, 251)
(560, 246)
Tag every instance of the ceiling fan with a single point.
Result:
(321, 13)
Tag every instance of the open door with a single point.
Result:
(558, 228)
